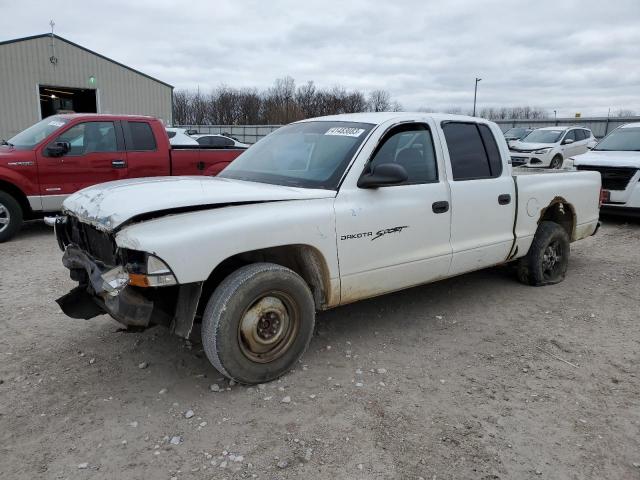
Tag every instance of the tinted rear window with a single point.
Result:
(141, 137)
(466, 150)
(495, 161)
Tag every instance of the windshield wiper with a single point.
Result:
(4, 142)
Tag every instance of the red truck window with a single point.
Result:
(90, 137)
(139, 136)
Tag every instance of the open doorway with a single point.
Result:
(66, 100)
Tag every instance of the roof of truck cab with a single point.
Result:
(377, 118)
(104, 116)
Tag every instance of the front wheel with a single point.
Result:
(258, 323)
(10, 217)
(548, 257)
(556, 162)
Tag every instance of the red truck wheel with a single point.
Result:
(10, 217)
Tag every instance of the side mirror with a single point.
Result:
(383, 175)
(568, 141)
(58, 149)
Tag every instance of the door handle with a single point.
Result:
(118, 163)
(504, 199)
(200, 165)
(440, 207)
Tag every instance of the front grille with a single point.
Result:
(613, 178)
(100, 245)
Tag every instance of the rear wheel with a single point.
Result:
(548, 257)
(556, 162)
(258, 323)
(10, 217)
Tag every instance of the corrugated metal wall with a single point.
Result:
(25, 64)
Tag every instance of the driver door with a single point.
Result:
(97, 155)
(395, 236)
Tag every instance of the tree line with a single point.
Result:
(285, 102)
(282, 103)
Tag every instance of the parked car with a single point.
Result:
(42, 165)
(370, 204)
(617, 158)
(516, 133)
(549, 146)
(181, 136)
(221, 141)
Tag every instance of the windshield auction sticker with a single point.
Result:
(345, 131)
(55, 123)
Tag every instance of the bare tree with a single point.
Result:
(379, 101)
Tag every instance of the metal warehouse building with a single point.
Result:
(47, 74)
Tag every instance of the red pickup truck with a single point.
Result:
(42, 165)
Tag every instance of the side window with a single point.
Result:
(171, 134)
(204, 141)
(469, 159)
(490, 145)
(412, 147)
(579, 133)
(90, 137)
(140, 137)
(571, 134)
(220, 142)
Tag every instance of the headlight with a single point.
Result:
(156, 274)
(542, 151)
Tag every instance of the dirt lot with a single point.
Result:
(476, 377)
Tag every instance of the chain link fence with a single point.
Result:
(600, 126)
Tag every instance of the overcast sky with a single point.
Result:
(571, 56)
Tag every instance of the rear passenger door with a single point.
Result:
(144, 158)
(482, 197)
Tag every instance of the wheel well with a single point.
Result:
(562, 213)
(20, 197)
(306, 261)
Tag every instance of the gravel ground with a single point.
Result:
(475, 377)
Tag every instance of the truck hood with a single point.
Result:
(603, 158)
(108, 206)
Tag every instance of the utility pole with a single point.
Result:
(555, 117)
(475, 95)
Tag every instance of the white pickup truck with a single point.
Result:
(320, 213)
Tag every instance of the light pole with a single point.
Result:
(555, 117)
(475, 95)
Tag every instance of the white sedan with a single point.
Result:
(220, 141)
(181, 136)
(549, 146)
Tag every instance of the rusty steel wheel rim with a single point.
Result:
(268, 327)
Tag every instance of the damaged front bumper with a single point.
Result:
(105, 289)
(102, 290)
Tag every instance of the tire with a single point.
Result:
(556, 162)
(258, 323)
(10, 217)
(548, 257)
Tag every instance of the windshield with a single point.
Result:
(622, 140)
(33, 135)
(543, 136)
(516, 132)
(307, 154)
